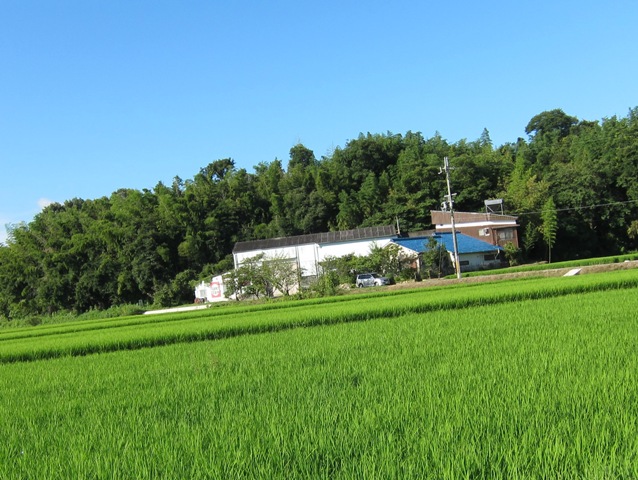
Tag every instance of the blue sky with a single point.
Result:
(101, 95)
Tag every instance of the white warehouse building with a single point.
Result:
(307, 251)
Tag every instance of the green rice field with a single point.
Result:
(532, 378)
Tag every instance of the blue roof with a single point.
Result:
(465, 243)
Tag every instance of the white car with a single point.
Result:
(371, 280)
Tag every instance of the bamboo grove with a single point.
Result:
(150, 245)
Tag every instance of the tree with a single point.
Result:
(248, 280)
(435, 260)
(176, 291)
(480, 173)
(218, 169)
(350, 214)
(233, 284)
(530, 237)
(416, 186)
(525, 194)
(299, 208)
(512, 254)
(301, 156)
(369, 196)
(549, 226)
(282, 274)
(267, 202)
(385, 260)
(552, 121)
(339, 269)
(326, 284)
(485, 140)
(132, 245)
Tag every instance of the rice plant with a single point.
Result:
(178, 328)
(537, 388)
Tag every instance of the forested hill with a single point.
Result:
(148, 245)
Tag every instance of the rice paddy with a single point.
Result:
(525, 379)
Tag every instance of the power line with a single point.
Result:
(585, 207)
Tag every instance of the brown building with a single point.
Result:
(493, 228)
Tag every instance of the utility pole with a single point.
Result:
(450, 199)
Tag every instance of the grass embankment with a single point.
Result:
(536, 388)
(537, 267)
(138, 332)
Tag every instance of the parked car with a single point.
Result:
(371, 280)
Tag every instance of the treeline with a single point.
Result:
(150, 245)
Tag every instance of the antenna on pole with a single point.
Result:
(450, 201)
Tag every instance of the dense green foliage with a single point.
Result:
(536, 388)
(148, 246)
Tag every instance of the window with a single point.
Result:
(489, 258)
(464, 263)
(506, 234)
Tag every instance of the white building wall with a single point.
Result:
(308, 259)
(477, 261)
(282, 252)
(482, 224)
(305, 256)
(211, 292)
(310, 255)
(359, 248)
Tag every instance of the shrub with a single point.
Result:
(512, 254)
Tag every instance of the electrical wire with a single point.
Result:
(584, 207)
